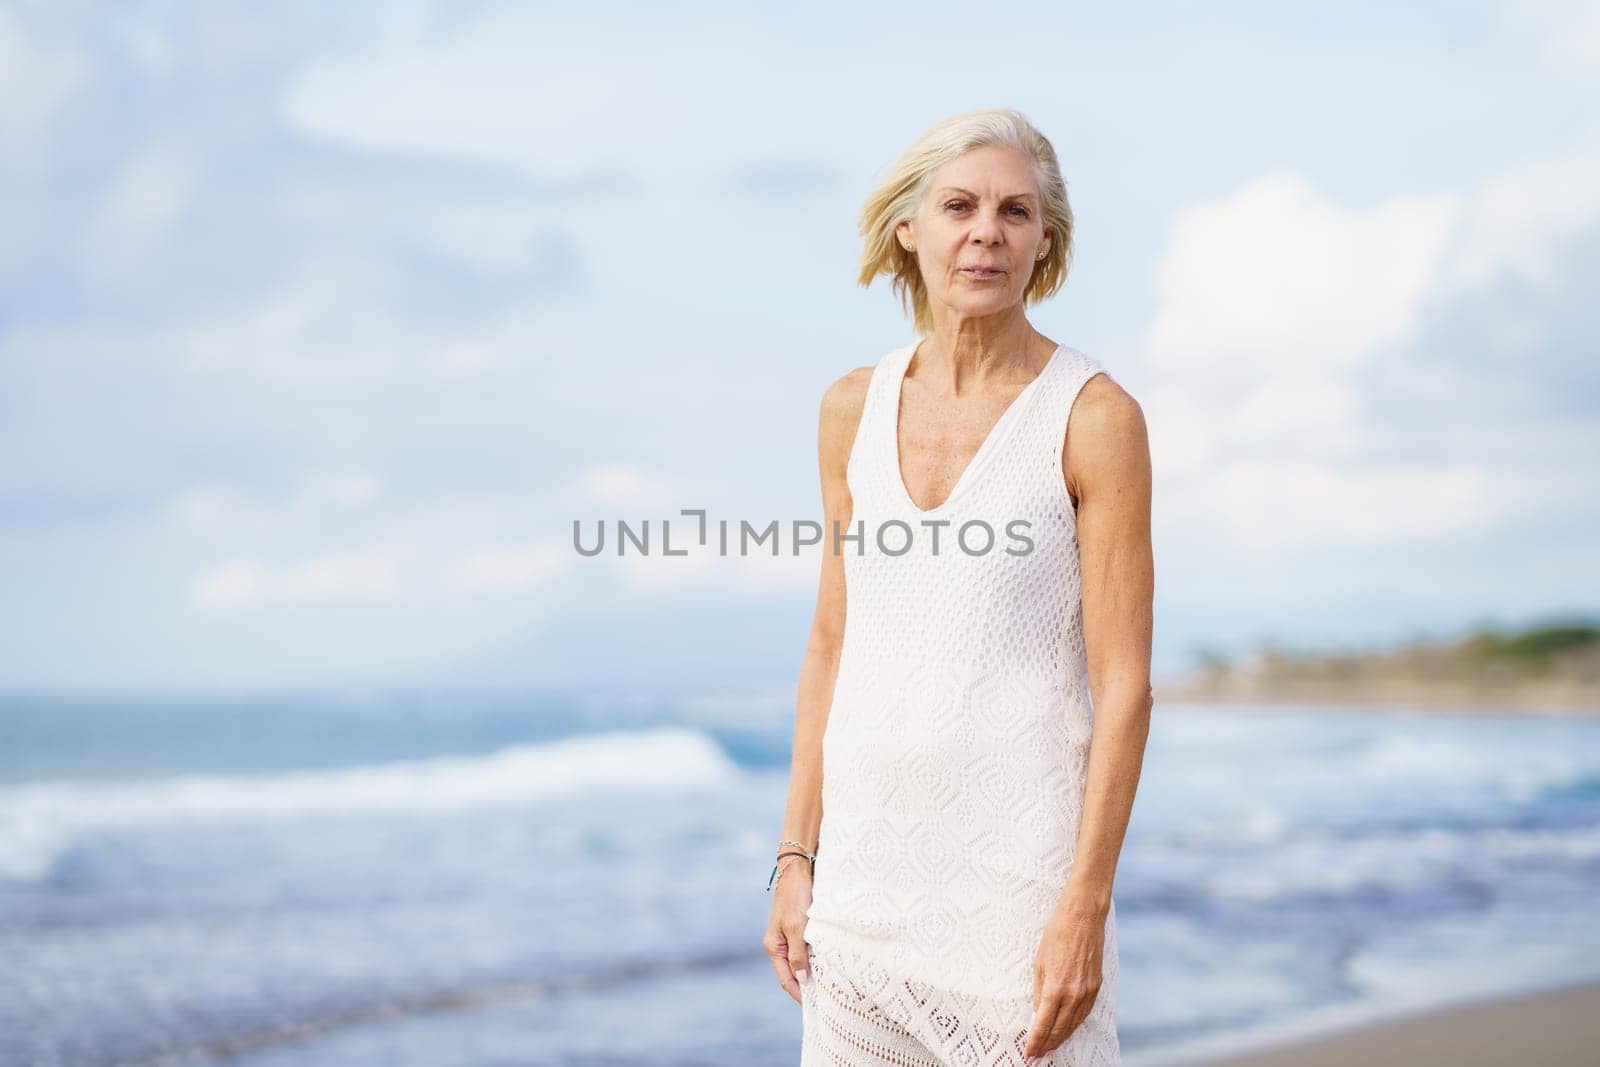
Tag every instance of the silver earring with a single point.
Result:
(1041, 255)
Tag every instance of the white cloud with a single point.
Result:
(1521, 223)
(1289, 504)
(433, 535)
(510, 569)
(487, 95)
(201, 506)
(327, 321)
(149, 44)
(249, 583)
(743, 566)
(36, 81)
(353, 490)
(1279, 282)
(493, 234)
(138, 211)
(698, 567)
(1565, 32)
(1278, 278)
(1276, 302)
(494, 237)
(219, 505)
(1323, 412)
(622, 484)
(786, 571)
(500, 91)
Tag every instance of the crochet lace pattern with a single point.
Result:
(956, 748)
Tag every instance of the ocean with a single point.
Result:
(453, 877)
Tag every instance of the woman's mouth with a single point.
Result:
(981, 273)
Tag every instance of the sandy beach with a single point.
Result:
(1551, 1028)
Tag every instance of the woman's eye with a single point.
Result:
(1016, 209)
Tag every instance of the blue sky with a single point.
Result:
(318, 327)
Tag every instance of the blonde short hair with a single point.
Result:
(899, 194)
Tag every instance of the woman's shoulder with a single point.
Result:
(1103, 398)
(1106, 422)
(846, 396)
(843, 402)
(848, 392)
(1092, 386)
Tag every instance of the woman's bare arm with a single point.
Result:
(1107, 467)
(802, 820)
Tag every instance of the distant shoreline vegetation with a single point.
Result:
(1550, 667)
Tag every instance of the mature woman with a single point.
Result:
(968, 742)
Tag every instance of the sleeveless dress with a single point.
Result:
(955, 751)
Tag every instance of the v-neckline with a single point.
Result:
(1007, 417)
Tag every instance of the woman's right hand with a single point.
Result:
(785, 939)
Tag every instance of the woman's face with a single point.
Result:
(981, 210)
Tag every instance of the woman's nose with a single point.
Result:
(986, 228)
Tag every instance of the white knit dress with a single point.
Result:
(956, 749)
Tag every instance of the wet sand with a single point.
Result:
(1554, 1028)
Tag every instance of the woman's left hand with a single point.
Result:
(1067, 973)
